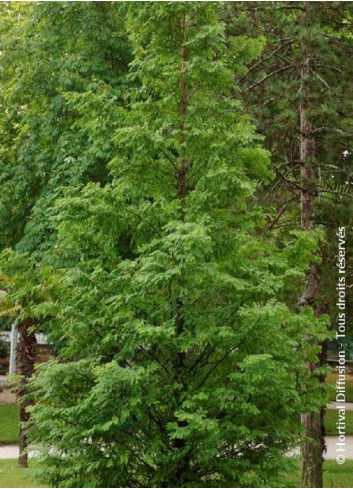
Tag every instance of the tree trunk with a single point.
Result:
(183, 108)
(312, 448)
(25, 367)
(180, 471)
(312, 452)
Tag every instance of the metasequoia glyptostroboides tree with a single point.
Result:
(173, 340)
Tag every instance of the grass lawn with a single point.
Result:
(334, 475)
(331, 418)
(9, 421)
(11, 475)
(331, 382)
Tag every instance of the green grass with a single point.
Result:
(9, 421)
(335, 475)
(331, 383)
(11, 475)
(332, 391)
(331, 418)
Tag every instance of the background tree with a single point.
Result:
(55, 58)
(296, 92)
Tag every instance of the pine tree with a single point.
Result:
(296, 92)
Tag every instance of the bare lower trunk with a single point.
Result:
(312, 452)
(25, 367)
(22, 443)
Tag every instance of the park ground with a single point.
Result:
(11, 475)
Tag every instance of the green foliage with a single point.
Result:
(62, 73)
(59, 63)
(271, 91)
(166, 304)
(4, 349)
(137, 229)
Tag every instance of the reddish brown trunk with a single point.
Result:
(25, 368)
(307, 152)
(307, 174)
(183, 109)
(311, 450)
